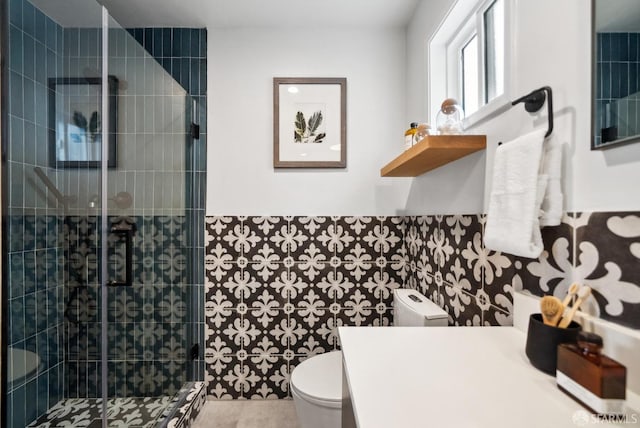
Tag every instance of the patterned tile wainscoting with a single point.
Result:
(601, 249)
(277, 287)
(449, 264)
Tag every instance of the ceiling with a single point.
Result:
(234, 13)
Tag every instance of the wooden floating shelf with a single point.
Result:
(432, 152)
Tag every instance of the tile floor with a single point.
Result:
(247, 414)
(123, 413)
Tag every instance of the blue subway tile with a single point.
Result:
(50, 40)
(185, 73)
(157, 48)
(42, 101)
(16, 320)
(148, 40)
(16, 275)
(41, 26)
(71, 42)
(633, 47)
(16, 187)
(620, 46)
(16, 48)
(43, 393)
(606, 47)
(16, 95)
(203, 76)
(29, 100)
(166, 42)
(28, 18)
(185, 42)
(194, 78)
(29, 60)
(15, 12)
(30, 143)
(194, 50)
(176, 42)
(16, 139)
(19, 407)
(619, 79)
(31, 391)
(40, 63)
(30, 327)
(606, 80)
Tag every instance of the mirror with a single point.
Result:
(616, 73)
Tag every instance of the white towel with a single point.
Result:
(517, 192)
(552, 167)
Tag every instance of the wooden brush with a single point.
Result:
(551, 308)
(583, 294)
(573, 289)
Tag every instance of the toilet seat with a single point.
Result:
(318, 380)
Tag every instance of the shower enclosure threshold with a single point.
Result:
(130, 412)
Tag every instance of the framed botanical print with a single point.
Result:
(75, 122)
(309, 122)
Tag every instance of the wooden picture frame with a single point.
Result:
(75, 118)
(309, 122)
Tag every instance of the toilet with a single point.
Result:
(316, 383)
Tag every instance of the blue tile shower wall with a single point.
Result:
(35, 286)
(618, 71)
(39, 261)
(150, 354)
(182, 52)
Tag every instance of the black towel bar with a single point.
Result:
(534, 101)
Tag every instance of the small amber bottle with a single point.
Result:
(593, 379)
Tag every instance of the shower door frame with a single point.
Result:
(4, 133)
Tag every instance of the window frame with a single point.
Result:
(464, 20)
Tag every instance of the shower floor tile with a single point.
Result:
(122, 413)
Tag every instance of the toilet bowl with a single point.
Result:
(316, 387)
(316, 383)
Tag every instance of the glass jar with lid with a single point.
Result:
(449, 119)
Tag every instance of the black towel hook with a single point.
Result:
(534, 101)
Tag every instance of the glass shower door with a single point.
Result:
(148, 254)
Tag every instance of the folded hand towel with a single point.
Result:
(552, 168)
(516, 196)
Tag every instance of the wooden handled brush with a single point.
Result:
(573, 289)
(551, 308)
(583, 294)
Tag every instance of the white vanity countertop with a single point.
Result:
(451, 377)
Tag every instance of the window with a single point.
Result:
(468, 59)
(469, 65)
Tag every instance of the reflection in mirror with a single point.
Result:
(616, 86)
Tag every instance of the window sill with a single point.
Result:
(487, 112)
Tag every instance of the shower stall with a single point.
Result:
(103, 212)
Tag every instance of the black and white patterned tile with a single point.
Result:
(607, 259)
(552, 273)
(314, 238)
(122, 412)
(186, 406)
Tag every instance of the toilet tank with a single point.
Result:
(411, 308)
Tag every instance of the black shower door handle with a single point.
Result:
(125, 229)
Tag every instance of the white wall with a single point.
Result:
(241, 179)
(551, 46)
